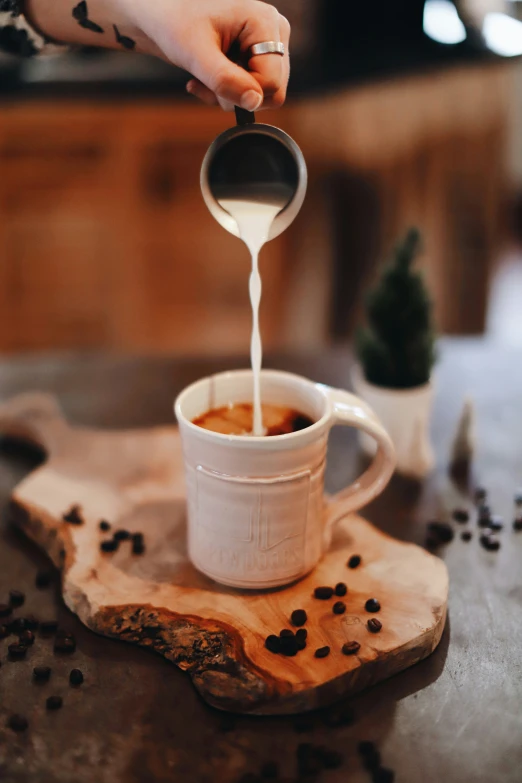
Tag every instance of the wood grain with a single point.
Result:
(134, 479)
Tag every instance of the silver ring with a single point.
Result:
(267, 47)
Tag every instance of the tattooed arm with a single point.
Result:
(193, 34)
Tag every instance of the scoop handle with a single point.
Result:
(243, 117)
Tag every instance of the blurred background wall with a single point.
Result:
(407, 113)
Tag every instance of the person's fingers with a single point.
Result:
(197, 88)
(278, 98)
(261, 26)
(229, 82)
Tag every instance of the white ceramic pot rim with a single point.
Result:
(252, 441)
(388, 391)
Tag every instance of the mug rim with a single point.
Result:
(261, 441)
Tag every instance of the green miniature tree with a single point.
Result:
(397, 347)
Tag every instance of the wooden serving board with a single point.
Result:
(134, 479)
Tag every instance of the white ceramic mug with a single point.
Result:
(257, 513)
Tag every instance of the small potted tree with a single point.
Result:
(396, 352)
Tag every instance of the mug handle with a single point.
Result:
(351, 411)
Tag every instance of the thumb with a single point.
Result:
(227, 80)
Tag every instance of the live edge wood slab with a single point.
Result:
(134, 480)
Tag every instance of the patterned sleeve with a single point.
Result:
(17, 36)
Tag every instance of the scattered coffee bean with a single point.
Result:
(309, 763)
(322, 652)
(441, 531)
(48, 627)
(27, 638)
(518, 497)
(104, 526)
(109, 546)
(496, 522)
(138, 545)
(490, 543)
(288, 645)
(301, 634)
(372, 760)
(73, 516)
(340, 589)
(517, 524)
(16, 598)
(300, 642)
(17, 723)
(484, 514)
(460, 515)
(41, 673)
(298, 617)
(323, 593)
(331, 759)
(383, 775)
(286, 632)
(5, 631)
(350, 648)
(339, 607)
(32, 622)
(53, 702)
(372, 605)
(43, 579)
(17, 651)
(270, 770)
(354, 561)
(76, 677)
(480, 494)
(466, 535)
(122, 535)
(18, 625)
(64, 643)
(366, 748)
(339, 715)
(273, 643)
(374, 625)
(5, 610)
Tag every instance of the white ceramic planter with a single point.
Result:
(405, 414)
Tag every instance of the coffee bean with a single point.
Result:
(340, 589)
(286, 632)
(19, 624)
(323, 593)
(383, 775)
(366, 748)
(496, 522)
(270, 770)
(109, 546)
(5, 610)
(298, 617)
(17, 723)
(54, 702)
(64, 643)
(490, 543)
(517, 524)
(76, 677)
(17, 651)
(374, 625)
(5, 631)
(322, 652)
(32, 622)
(431, 543)
(480, 494)
(372, 761)
(460, 515)
(73, 516)
(518, 497)
(41, 673)
(372, 605)
(48, 627)
(301, 634)
(354, 561)
(466, 535)
(104, 525)
(138, 546)
(288, 645)
(16, 598)
(331, 759)
(26, 637)
(122, 535)
(350, 648)
(273, 643)
(339, 607)
(309, 763)
(441, 531)
(301, 643)
(43, 579)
